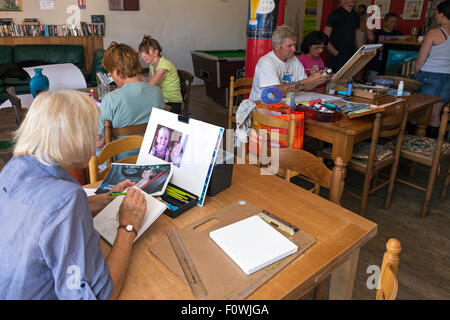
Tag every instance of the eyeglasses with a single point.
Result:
(319, 47)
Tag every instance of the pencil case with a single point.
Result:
(182, 206)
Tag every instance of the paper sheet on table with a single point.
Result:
(309, 96)
(61, 76)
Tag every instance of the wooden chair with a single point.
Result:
(370, 158)
(294, 162)
(238, 88)
(110, 150)
(388, 283)
(111, 133)
(409, 84)
(431, 153)
(16, 104)
(186, 79)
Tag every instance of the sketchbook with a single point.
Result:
(107, 221)
(252, 244)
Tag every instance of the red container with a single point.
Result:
(320, 116)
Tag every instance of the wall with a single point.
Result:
(404, 26)
(180, 26)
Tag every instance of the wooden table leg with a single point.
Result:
(343, 147)
(343, 278)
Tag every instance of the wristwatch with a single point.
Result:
(129, 228)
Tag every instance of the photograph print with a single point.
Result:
(153, 179)
(169, 145)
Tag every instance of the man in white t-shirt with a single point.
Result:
(282, 69)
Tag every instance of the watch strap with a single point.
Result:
(124, 226)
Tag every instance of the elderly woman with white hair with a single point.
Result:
(49, 248)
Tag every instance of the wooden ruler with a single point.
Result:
(278, 222)
(191, 274)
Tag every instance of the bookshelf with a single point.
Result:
(89, 43)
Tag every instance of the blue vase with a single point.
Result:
(38, 83)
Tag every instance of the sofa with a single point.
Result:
(14, 58)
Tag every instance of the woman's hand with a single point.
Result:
(121, 186)
(133, 208)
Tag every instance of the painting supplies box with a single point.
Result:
(342, 77)
(320, 111)
(222, 173)
(191, 147)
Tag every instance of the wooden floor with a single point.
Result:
(424, 270)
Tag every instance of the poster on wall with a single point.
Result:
(46, 4)
(10, 5)
(310, 21)
(412, 9)
(263, 19)
(82, 4)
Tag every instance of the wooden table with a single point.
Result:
(345, 133)
(339, 235)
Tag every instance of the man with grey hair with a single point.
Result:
(281, 68)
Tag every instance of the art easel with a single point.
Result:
(222, 278)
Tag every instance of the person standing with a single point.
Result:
(433, 65)
(341, 29)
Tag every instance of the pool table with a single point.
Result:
(215, 67)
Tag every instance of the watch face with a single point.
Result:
(129, 227)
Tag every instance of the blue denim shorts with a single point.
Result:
(435, 84)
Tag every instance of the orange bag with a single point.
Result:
(284, 114)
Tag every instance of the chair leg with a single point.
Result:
(447, 182)
(429, 190)
(365, 193)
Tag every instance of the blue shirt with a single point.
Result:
(49, 248)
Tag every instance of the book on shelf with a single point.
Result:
(46, 30)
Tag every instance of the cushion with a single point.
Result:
(361, 152)
(50, 53)
(10, 82)
(6, 55)
(420, 146)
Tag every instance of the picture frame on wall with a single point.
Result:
(412, 9)
(10, 5)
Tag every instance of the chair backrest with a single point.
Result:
(111, 132)
(238, 88)
(186, 79)
(409, 84)
(296, 161)
(16, 104)
(110, 150)
(388, 282)
(392, 119)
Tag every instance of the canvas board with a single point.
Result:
(191, 148)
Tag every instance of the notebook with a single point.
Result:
(252, 243)
(107, 221)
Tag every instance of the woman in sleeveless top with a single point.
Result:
(433, 64)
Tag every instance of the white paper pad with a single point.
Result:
(252, 243)
(107, 221)
(61, 76)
